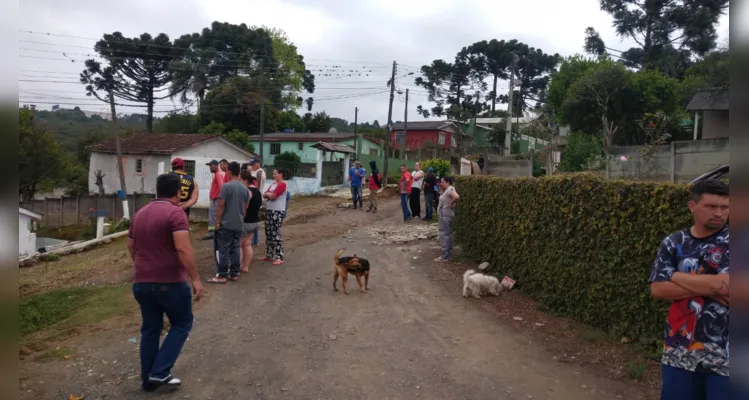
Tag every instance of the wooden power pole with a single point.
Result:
(508, 133)
(389, 129)
(118, 150)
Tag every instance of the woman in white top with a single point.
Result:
(275, 210)
(415, 198)
(446, 213)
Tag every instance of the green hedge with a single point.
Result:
(580, 245)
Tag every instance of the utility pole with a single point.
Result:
(118, 150)
(390, 121)
(508, 134)
(262, 122)
(405, 128)
(356, 133)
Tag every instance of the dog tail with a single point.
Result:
(338, 255)
(467, 274)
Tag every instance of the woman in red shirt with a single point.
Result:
(375, 184)
(405, 190)
(275, 211)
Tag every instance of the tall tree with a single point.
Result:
(667, 32)
(236, 103)
(41, 159)
(142, 64)
(320, 122)
(454, 87)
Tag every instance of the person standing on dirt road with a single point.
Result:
(274, 215)
(159, 245)
(430, 182)
(251, 219)
(404, 187)
(355, 177)
(232, 206)
(446, 214)
(216, 182)
(257, 169)
(415, 198)
(188, 190)
(691, 271)
(374, 185)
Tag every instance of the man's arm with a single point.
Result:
(663, 268)
(131, 248)
(219, 211)
(702, 285)
(181, 237)
(193, 197)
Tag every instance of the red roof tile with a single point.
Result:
(151, 143)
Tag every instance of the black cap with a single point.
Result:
(212, 162)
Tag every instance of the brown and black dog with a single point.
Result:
(350, 265)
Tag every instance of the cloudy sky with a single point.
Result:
(361, 35)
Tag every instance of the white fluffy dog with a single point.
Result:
(477, 284)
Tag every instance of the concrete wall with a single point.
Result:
(507, 167)
(144, 182)
(309, 154)
(679, 162)
(26, 238)
(714, 124)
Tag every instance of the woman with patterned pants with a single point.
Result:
(275, 211)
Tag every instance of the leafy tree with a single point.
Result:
(581, 152)
(288, 161)
(237, 101)
(570, 71)
(177, 122)
(450, 85)
(667, 32)
(138, 69)
(214, 128)
(241, 139)
(709, 72)
(41, 159)
(320, 122)
(290, 120)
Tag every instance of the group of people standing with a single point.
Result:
(439, 193)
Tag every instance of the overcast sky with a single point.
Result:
(359, 35)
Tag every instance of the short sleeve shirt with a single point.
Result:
(696, 329)
(151, 230)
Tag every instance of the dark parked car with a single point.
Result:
(715, 173)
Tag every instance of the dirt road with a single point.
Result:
(282, 333)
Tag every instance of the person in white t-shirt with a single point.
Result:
(415, 199)
(257, 170)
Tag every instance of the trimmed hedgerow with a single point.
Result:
(581, 245)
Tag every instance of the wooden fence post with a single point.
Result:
(77, 210)
(62, 212)
(46, 211)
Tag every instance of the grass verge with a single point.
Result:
(48, 314)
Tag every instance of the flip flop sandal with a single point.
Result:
(217, 280)
(278, 262)
(234, 278)
(265, 259)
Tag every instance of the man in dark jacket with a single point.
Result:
(430, 181)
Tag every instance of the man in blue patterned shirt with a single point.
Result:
(691, 271)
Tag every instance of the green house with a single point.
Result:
(300, 143)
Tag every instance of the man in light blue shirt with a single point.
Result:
(355, 177)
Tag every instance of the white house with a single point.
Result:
(142, 153)
(26, 236)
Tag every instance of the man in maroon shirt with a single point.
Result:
(159, 244)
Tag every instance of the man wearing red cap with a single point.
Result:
(188, 190)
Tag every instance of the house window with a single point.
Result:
(399, 136)
(441, 139)
(275, 149)
(190, 167)
(453, 142)
(374, 152)
(139, 166)
(301, 146)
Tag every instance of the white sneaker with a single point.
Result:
(168, 381)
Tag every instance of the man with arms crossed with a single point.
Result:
(257, 169)
(159, 245)
(691, 271)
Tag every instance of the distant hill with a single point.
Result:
(73, 126)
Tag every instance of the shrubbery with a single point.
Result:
(441, 167)
(580, 245)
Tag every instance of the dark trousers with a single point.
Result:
(155, 300)
(226, 247)
(429, 204)
(356, 195)
(404, 206)
(415, 202)
(680, 384)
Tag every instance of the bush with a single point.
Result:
(580, 245)
(287, 161)
(441, 167)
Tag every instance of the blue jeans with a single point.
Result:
(155, 300)
(429, 203)
(680, 384)
(356, 195)
(255, 237)
(404, 206)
